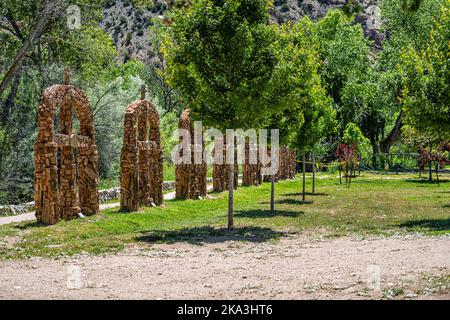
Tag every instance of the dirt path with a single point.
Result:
(294, 267)
(29, 216)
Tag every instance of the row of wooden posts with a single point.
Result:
(66, 188)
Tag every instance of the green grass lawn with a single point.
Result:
(374, 204)
(169, 175)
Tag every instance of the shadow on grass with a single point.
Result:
(430, 224)
(426, 181)
(289, 201)
(202, 235)
(30, 225)
(317, 194)
(267, 214)
(446, 206)
(293, 201)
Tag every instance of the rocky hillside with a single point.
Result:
(366, 12)
(128, 25)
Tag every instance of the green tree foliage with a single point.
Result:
(232, 68)
(169, 125)
(156, 75)
(354, 136)
(363, 102)
(403, 28)
(350, 151)
(31, 29)
(426, 94)
(222, 59)
(405, 24)
(344, 53)
(349, 77)
(408, 26)
(90, 51)
(311, 117)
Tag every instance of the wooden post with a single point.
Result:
(359, 168)
(304, 178)
(230, 195)
(430, 177)
(313, 173)
(437, 173)
(272, 193)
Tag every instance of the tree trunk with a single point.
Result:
(10, 100)
(272, 193)
(230, 195)
(313, 174)
(437, 173)
(50, 10)
(375, 154)
(430, 176)
(304, 178)
(387, 143)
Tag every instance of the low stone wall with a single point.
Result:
(9, 210)
(108, 195)
(104, 196)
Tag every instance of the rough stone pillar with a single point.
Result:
(129, 193)
(56, 183)
(141, 168)
(67, 169)
(283, 165)
(251, 173)
(156, 165)
(220, 171)
(292, 164)
(190, 177)
(143, 157)
(267, 178)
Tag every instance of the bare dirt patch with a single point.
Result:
(295, 267)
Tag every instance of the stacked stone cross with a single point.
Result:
(61, 191)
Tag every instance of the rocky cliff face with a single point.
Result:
(367, 12)
(128, 25)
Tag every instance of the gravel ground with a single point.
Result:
(295, 267)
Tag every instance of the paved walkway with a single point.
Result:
(29, 216)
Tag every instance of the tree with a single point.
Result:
(224, 59)
(350, 149)
(27, 22)
(426, 91)
(346, 73)
(405, 23)
(430, 147)
(311, 117)
(366, 105)
(36, 37)
(156, 76)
